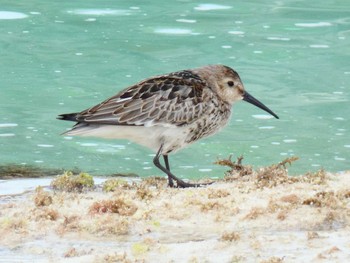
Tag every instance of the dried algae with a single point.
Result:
(262, 212)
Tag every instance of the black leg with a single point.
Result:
(179, 182)
(167, 166)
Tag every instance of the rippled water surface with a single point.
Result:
(65, 56)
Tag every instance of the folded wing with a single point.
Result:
(171, 100)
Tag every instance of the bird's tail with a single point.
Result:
(68, 117)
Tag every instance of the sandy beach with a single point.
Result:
(249, 216)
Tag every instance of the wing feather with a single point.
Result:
(175, 99)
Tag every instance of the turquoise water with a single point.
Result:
(66, 56)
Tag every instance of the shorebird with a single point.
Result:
(167, 112)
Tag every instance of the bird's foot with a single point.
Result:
(182, 184)
(170, 182)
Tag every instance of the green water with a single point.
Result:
(65, 56)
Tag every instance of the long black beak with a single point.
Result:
(249, 98)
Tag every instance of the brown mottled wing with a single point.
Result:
(170, 100)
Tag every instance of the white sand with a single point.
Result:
(244, 220)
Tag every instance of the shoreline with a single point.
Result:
(266, 216)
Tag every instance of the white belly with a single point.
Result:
(172, 138)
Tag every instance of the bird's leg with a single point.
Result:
(179, 182)
(167, 166)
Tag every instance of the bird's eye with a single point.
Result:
(230, 83)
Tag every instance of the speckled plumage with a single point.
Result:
(166, 113)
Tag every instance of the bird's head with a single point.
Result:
(228, 85)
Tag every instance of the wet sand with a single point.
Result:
(265, 216)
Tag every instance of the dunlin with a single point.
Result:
(167, 112)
